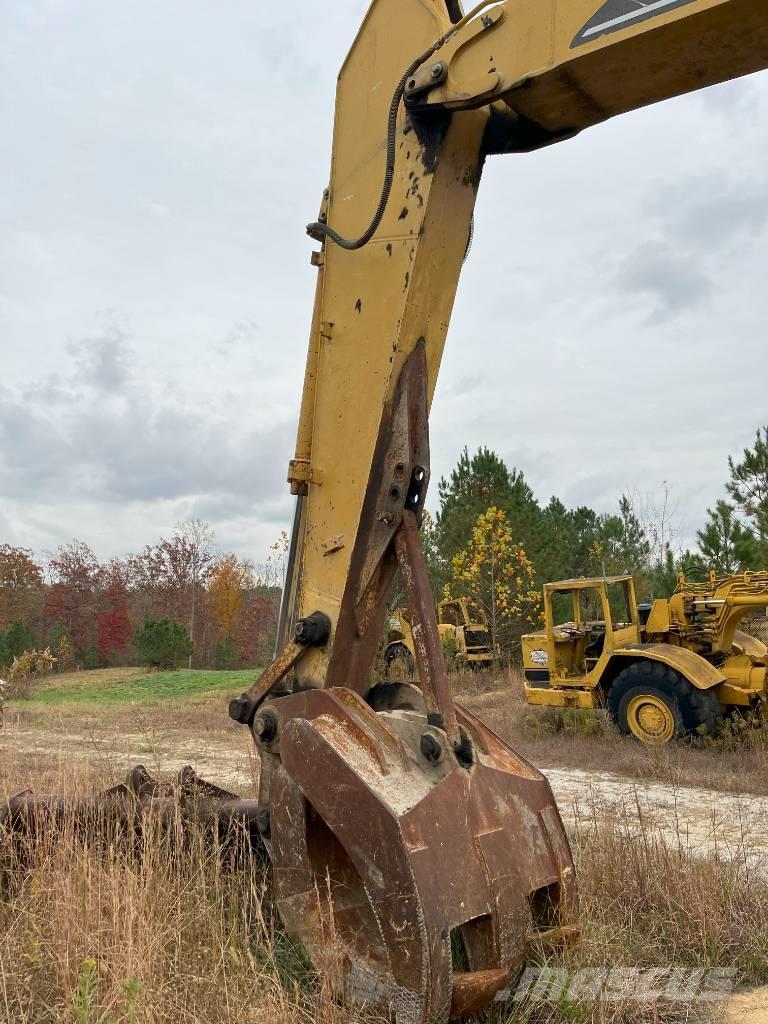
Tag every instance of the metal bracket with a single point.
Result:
(312, 631)
(425, 79)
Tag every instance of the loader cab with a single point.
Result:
(585, 620)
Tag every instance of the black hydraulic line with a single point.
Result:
(318, 230)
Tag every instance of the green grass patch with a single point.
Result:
(156, 686)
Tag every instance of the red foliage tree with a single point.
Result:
(114, 633)
(114, 624)
(75, 592)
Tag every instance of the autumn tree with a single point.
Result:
(257, 627)
(230, 583)
(21, 583)
(494, 572)
(114, 625)
(166, 576)
(73, 598)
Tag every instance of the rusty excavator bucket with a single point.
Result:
(417, 857)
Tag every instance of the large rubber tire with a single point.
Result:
(399, 664)
(654, 703)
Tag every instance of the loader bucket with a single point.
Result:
(416, 881)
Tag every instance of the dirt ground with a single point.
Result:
(42, 745)
(38, 745)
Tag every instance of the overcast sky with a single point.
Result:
(159, 163)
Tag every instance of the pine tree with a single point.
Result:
(725, 544)
(748, 487)
(479, 482)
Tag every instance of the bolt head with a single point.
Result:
(265, 727)
(437, 70)
(240, 710)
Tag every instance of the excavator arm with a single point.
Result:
(506, 78)
(400, 828)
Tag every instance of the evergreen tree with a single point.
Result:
(479, 482)
(725, 545)
(748, 487)
(662, 579)
(18, 639)
(162, 643)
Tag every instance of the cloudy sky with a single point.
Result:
(159, 162)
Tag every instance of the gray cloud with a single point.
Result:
(669, 277)
(161, 161)
(697, 221)
(101, 433)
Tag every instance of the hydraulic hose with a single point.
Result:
(318, 230)
(321, 231)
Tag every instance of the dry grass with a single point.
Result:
(648, 903)
(738, 763)
(95, 934)
(172, 933)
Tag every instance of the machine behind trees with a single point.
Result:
(663, 670)
(416, 857)
(464, 637)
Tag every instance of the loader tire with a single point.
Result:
(400, 667)
(655, 704)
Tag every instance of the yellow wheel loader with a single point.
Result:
(662, 670)
(462, 629)
(416, 857)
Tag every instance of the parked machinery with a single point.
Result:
(662, 670)
(464, 637)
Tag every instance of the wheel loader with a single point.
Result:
(459, 624)
(417, 857)
(662, 670)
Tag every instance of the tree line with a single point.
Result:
(491, 539)
(213, 609)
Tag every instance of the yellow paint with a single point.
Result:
(373, 306)
(696, 627)
(650, 719)
(560, 698)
